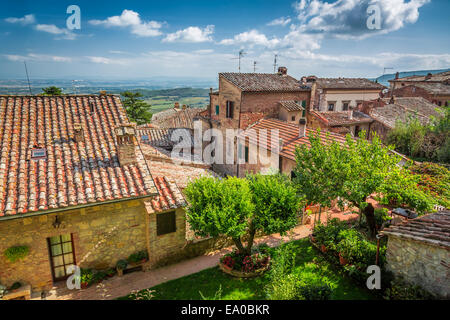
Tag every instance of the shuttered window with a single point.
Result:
(165, 223)
(230, 107)
(217, 109)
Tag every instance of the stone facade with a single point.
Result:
(421, 264)
(102, 235)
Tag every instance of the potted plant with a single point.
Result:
(110, 272)
(120, 266)
(86, 278)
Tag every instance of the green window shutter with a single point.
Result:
(303, 113)
(246, 154)
(217, 109)
(304, 103)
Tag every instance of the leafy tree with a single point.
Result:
(137, 109)
(356, 170)
(239, 207)
(52, 91)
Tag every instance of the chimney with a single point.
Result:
(397, 74)
(184, 107)
(428, 76)
(303, 80)
(282, 71)
(302, 130)
(78, 134)
(177, 105)
(126, 137)
(102, 93)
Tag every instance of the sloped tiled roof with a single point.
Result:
(163, 137)
(288, 132)
(432, 228)
(170, 196)
(249, 118)
(439, 77)
(291, 105)
(341, 118)
(264, 82)
(72, 173)
(347, 83)
(391, 113)
(436, 88)
(176, 118)
(419, 104)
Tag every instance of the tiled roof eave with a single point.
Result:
(438, 243)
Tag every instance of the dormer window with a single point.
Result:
(38, 153)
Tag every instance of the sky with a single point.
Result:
(125, 40)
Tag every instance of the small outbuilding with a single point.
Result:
(419, 252)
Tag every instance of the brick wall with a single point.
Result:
(413, 91)
(102, 235)
(421, 264)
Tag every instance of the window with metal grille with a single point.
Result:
(165, 223)
(230, 107)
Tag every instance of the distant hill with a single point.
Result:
(384, 80)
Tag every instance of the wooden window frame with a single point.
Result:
(230, 109)
(52, 266)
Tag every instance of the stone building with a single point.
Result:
(418, 251)
(77, 189)
(243, 99)
(441, 77)
(436, 92)
(342, 122)
(341, 94)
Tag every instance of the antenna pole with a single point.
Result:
(275, 63)
(254, 66)
(28, 78)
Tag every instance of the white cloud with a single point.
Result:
(37, 57)
(191, 34)
(282, 21)
(251, 38)
(61, 32)
(347, 19)
(131, 19)
(104, 60)
(26, 19)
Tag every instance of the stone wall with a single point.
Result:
(102, 235)
(268, 102)
(421, 264)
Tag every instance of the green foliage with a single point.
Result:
(87, 276)
(137, 110)
(217, 295)
(15, 285)
(235, 207)
(145, 294)
(276, 203)
(328, 234)
(316, 289)
(381, 216)
(138, 256)
(353, 172)
(122, 264)
(430, 141)
(400, 290)
(16, 253)
(52, 91)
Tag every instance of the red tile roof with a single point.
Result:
(72, 173)
(176, 118)
(170, 196)
(341, 118)
(432, 228)
(291, 105)
(263, 82)
(348, 83)
(288, 132)
(249, 118)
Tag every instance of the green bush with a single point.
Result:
(16, 253)
(138, 256)
(328, 234)
(87, 276)
(356, 249)
(122, 264)
(381, 216)
(401, 290)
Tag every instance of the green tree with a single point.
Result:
(137, 109)
(239, 207)
(356, 170)
(52, 91)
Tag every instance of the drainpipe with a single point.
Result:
(378, 236)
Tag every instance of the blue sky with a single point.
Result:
(198, 39)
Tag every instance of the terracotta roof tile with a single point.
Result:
(291, 105)
(261, 82)
(170, 196)
(176, 118)
(432, 228)
(347, 83)
(72, 173)
(439, 77)
(340, 118)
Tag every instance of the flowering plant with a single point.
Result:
(245, 263)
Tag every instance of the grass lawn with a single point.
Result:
(208, 281)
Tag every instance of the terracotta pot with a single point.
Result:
(84, 285)
(323, 248)
(342, 260)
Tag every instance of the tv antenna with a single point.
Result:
(28, 78)
(386, 68)
(241, 54)
(254, 66)
(275, 63)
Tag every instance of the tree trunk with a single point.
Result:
(369, 212)
(238, 243)
(251, 233)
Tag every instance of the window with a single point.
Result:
(38, 153)
(293, 118)
(356, 131)
(303, 113)
(345, 106)
(246, 154)
(230, 107)
(217, 109)
(331, 106)
(165, 223)
(61, 255)
(439, 103)
(293, 175)
(304, 103)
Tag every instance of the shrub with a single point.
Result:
(284, 288)
(138, 256)
(87, 276)
(355, 249)
(328, 234)
(15, 285)
(314, 291)
(16, 253)
(401, 290)
(122, 264)
(381, 216)
(243, 262)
